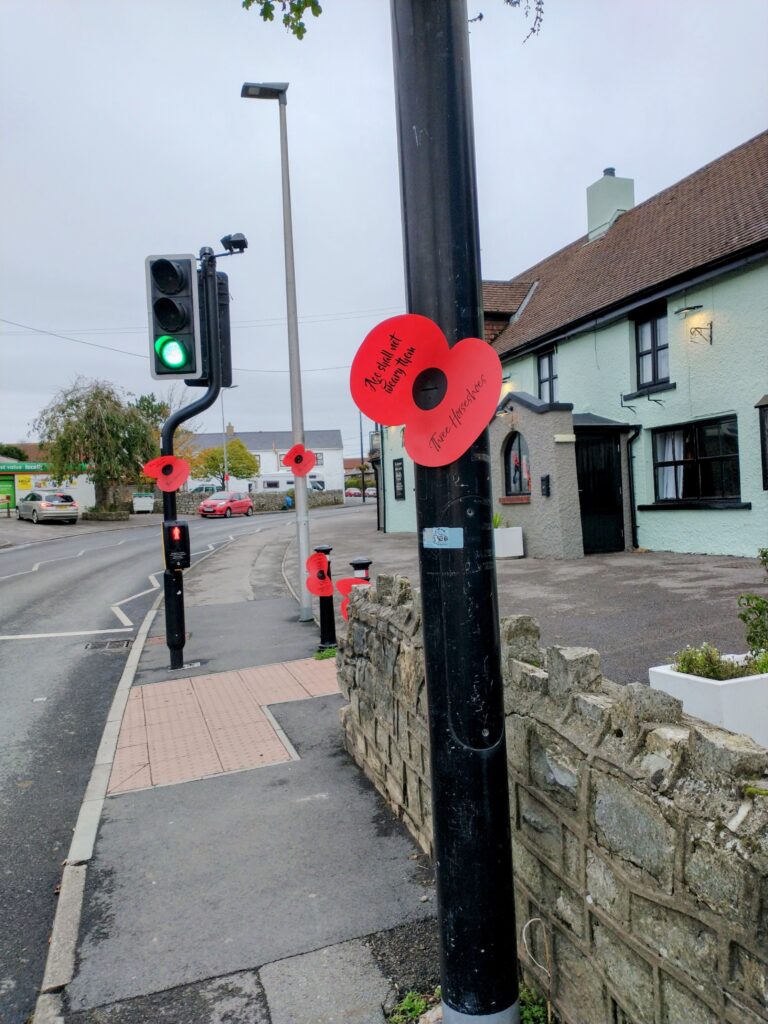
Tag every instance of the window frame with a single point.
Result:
(547, 359)
(692, 441)
(763, 428)
(516, 438)
(652, 317)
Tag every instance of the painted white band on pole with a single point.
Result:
(509, 1016)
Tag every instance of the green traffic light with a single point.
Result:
(171, 352)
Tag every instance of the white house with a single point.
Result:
(269, 447)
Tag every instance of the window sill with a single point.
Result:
(689, 506)
(516, 499)
(651, 389)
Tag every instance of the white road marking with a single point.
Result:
(121, 615)
(45, 636)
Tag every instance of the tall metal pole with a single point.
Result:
(224, 441)
(294, 368)
(362, 459)
(173, 579)
(471, 828)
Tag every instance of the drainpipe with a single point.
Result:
(631, 467)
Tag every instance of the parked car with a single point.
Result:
(370, 492)
(353, 492)
(226, 503)
(41, 507)
(204, 489)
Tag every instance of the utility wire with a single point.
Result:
(139, 355)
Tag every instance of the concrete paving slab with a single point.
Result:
(234, 999)
(213, 877)
(336, 985)
(232, 636)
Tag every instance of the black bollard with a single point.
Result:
(327, 614)
(362, 567)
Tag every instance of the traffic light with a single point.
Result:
(174, 318)
(225, 343)
(176, 544)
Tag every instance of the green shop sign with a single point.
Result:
(24, 467)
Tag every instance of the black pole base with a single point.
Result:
(175, 633)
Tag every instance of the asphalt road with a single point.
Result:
(56, 597)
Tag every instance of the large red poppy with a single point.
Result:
(300, 459)
(319, 580)
(405, 372)
(169, 470)
(345, 586)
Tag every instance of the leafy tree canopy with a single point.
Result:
(293, 13)
(92, 424)
(10, 451)
(154, 410)
(210, 463)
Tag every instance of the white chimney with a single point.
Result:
(607, 199)
(230, 430)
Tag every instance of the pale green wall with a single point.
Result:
(400, 515)
(728, 377)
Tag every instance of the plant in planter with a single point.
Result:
(507, 540)
(725, 689)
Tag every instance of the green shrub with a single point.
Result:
(409, 1009)
(533, 1007)
(329, 652)
(707, 662)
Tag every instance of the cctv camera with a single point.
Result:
(235, 243)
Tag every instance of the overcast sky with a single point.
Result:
(123, 134)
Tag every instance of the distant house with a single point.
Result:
(269, 447)
(634, 410)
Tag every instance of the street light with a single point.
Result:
(277, 91)
(224, 437)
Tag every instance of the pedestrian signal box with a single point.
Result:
(176, 544)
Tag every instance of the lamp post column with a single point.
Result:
(294, 368)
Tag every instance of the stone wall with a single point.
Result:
(640, 835)
(186, 502)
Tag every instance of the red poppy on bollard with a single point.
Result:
(319, 582)
(344, 587)
(300, 459)
(169, 470)
(405, 372)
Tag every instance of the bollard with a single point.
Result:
(361, 567)
(327, 615)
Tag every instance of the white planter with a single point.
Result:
(508, 541)
(740, 705)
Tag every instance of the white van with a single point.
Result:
(285, 482)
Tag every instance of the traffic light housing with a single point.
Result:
(225, 341)
(176, 549)
(174, 318)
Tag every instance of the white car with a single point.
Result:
(41, 507)
(370, 492)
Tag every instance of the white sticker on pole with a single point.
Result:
(443, 537)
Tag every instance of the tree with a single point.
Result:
(91, 425)
(293, 13)
(210, 463)
(10, 451)
(157, 410)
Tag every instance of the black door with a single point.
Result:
(598, 469)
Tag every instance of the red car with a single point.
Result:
(226, 503)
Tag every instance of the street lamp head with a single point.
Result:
(235, 243)
(264, 91)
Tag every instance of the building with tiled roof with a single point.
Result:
(635, 402)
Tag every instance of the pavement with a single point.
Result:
(230, 862)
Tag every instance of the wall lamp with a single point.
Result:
(704, 331)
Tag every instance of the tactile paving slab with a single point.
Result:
(187, 729)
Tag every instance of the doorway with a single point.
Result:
(598, 471)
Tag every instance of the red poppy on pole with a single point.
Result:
(319, 581)
(300, 459)
(169, 470)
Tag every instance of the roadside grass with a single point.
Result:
(329, 652)
(533, 1007)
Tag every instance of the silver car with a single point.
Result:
(43, 507)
